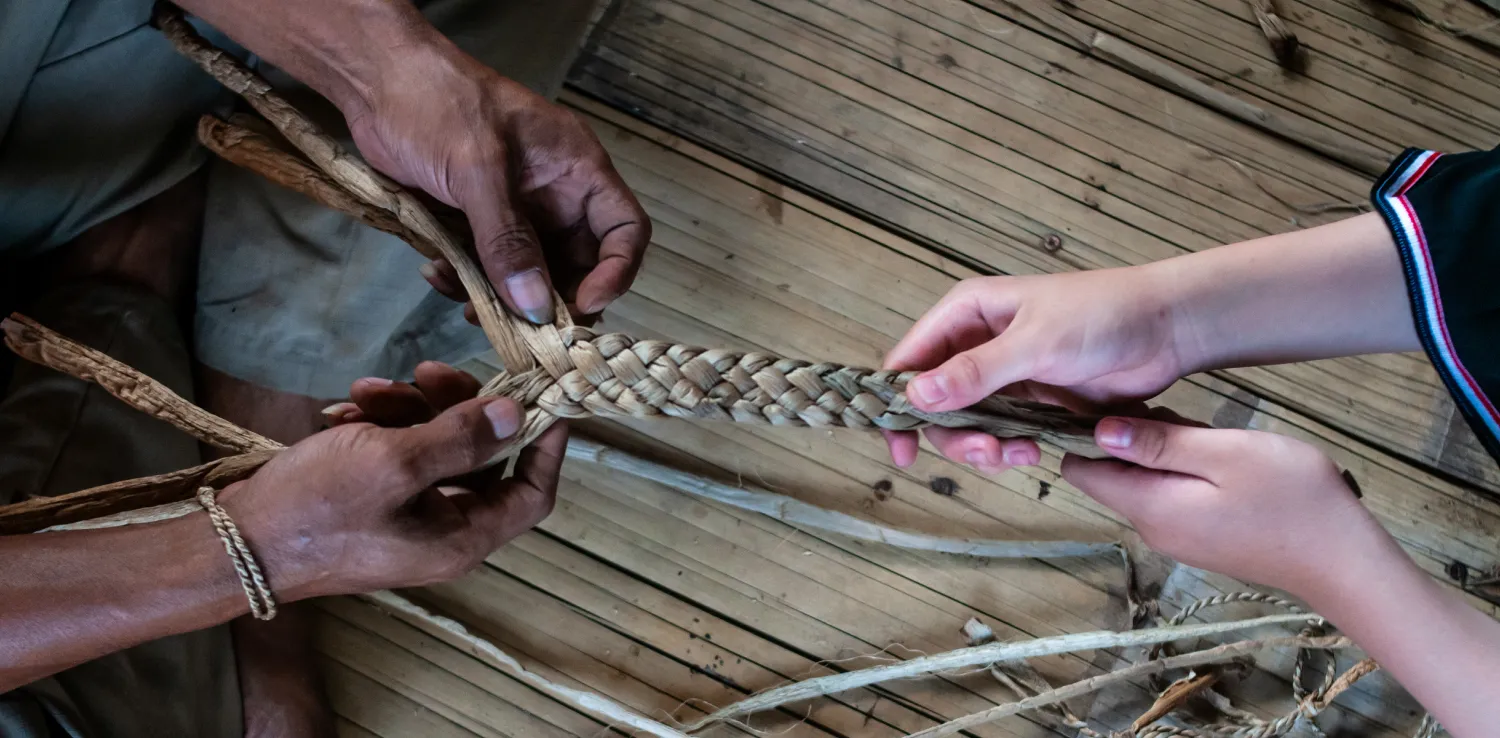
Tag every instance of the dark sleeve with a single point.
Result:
(1444, 210)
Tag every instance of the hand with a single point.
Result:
(1256, 506)
(359, 507)
(1084, 340)
(542, 197)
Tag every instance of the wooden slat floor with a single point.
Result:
(821, 172)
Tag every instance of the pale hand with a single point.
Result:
(1084, 340)
(1256, 506)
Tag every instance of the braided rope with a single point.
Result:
(262, 604)
(615, 375)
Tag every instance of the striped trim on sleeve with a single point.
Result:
(1390, 197)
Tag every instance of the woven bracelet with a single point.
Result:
(262, 605)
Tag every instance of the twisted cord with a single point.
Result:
(262, 604)
(1309, 702)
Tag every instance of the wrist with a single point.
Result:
(1178, 304)
(194, 555)
(344, 49)
(1346, 570)
(291, 556)
(388, 44)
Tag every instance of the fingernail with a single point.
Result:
(376, 382)
(1022, 457)
(532, 296)
(598, 305)
(930, 389)
(428, 271)
(1115, 433)
(504, 418)
(339, 409)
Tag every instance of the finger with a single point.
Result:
(972, 375)
(624, 230)
(517, 504)
(390, 404)
(1134, 491)
(903, 447)
(957, 322)
(444, 386)
(470, 314)
(462, 439)
(988, 454)
(444, 278)
(507, 245)
(341, 413)
(1168, 446)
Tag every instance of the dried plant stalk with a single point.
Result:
(454, 633)
(798, 513)
(1174, 696)
(981, 655)
(1215, 655)
(1283, 42)
(258, 153)
(32, 341)
(132, 496)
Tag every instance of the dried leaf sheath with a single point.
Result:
(35, 343)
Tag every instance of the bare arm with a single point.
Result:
(1334, 290)
(348, 510)
(73, 596)
(1110, 336)
(344, 49)
(1443, 651)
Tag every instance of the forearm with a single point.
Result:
(69, 597)
(344, 49)
(1443, 651)
(1334, 290)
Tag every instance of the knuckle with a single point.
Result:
(541, 506)
(963, 288)
(402, 467)
(963, 371)
(1153, 444)
(512, 241)
(535, 505)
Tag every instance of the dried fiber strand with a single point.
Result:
(31, 341)
(798, 513)
(983, 655)
(1217, 654)
(454, 633)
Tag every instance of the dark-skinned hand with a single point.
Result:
(366, 506)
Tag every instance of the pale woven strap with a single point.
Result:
(262, 605)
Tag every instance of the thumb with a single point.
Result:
(1127, 489)
(971, 376)
(464, 438)
(508, 248)
(1171, 447)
